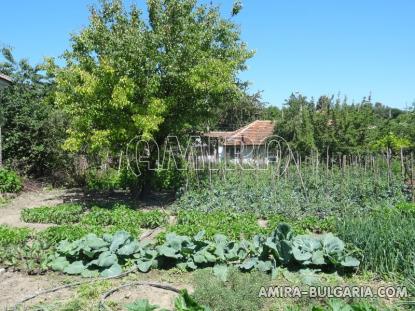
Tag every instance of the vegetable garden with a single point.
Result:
(242, 223)
(100, 210)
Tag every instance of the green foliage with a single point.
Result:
(110, 179)
(141, 305)
(184, 69)
(339, 305)
(233, 225)
(334, 126)
(170, 176)
(13, 236)
(406, 208)
(31, 258)
(185, 302)
(295, 194)
(238, 293)
(122, 216)
(305, 224)
(33, 129)
(9, 181)
(98, 221)
(385, 238)
(60, 214)
(54, 235)
(91, 254)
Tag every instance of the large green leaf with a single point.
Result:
(129, 249)
(112, 271)
(332, 245)
(106, 259)
(144, 266)
(59, 264)
(169, 252)
(318, 258)
(118, 240)
(249, 264)
(92, 241)
(76, 267)
(350, 261)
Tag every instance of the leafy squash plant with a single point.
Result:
(93, 256)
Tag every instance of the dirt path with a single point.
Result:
(10, 213)
(20, 285)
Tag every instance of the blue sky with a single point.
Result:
(352, 47)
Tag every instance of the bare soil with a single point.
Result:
(10, 213)
(17, 286)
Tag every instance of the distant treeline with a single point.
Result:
(331, 124)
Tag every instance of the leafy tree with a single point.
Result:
(243, 110)
(33, 129)
(126, 76)
(296, 125)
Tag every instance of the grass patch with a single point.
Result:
(386, 239)
(238, 293)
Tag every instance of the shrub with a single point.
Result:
(238, 293)
(386, 238)
(60, 214)
(13, 236)
(170, 177)
(110, 179)
(10, 181)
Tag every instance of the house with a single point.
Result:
(244, 145)
(4, 81)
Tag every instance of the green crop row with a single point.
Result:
(60, 214)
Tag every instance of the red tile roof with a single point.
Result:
(5, 78)
(255, 133)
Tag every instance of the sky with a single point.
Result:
(315, 47)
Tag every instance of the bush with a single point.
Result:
(60, 214)
(13, 236)
(238, 293)
(386, 238)
(10, 181)
(109, 180)
(170, 177)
